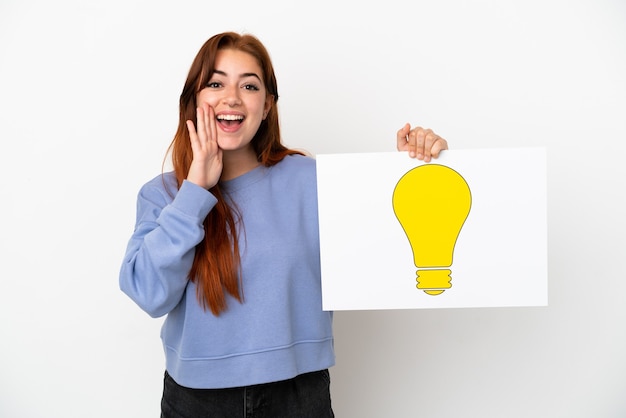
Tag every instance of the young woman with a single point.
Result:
(227, 247)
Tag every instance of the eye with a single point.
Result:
(213, 84)
(251, 87)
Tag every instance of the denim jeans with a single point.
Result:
(304, 396)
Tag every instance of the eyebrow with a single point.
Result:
(240, 75)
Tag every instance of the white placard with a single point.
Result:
(369, 258)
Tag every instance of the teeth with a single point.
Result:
(230, 117)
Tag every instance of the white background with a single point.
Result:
(88, 106)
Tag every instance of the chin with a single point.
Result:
(233, 145)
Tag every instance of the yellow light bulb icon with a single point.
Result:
(431, 203)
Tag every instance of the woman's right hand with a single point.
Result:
(206, 166)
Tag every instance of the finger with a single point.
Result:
(212, 125)
(402, 140)
(429, 139)
(439, 145)
(193, 136)
(206, 120)
(201, 125)
(420, 139)
(412, 143)
(434, 144)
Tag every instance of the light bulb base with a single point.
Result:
(434, 282)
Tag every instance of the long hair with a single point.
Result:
(216, 265)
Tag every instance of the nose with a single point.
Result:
(231, 96)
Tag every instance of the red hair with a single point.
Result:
(216, 265)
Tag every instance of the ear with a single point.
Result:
(269, 101)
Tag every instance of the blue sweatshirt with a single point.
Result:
(280, 330)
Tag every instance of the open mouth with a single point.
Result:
(230, 120)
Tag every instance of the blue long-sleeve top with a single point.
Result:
(280, 329)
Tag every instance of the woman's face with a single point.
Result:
(237, 94)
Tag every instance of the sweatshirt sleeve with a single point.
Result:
(159, 255)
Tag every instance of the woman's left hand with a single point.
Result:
(421, 143)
